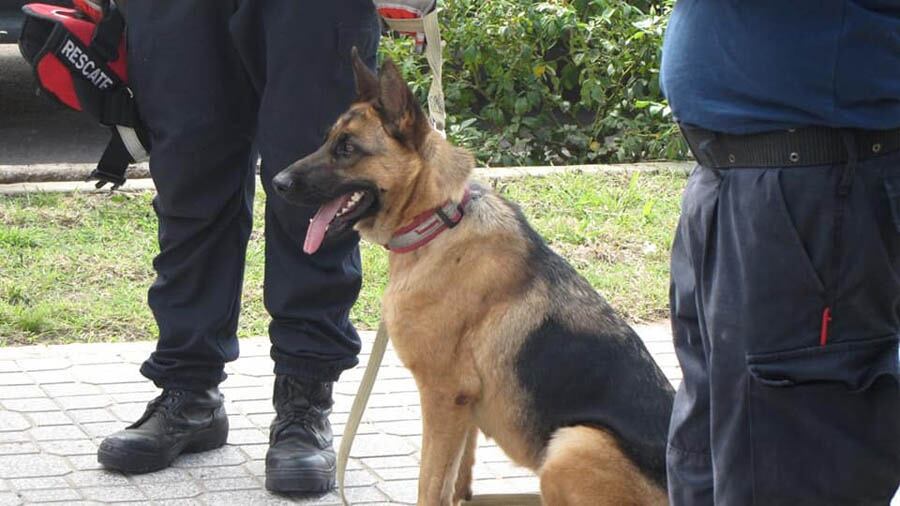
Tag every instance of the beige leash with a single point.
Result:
(356, 413)
(434, 54)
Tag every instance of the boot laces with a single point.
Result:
(161, 405)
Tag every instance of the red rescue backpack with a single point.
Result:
(82, 65)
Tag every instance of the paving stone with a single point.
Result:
(68, 448)
(225, 456)
(246, 483)
(98, 478)
(359, 495)
(20, 448)
(359, 478)
(508, 470)
(9, 366)
(236, 380)
(404, 492)
(255, 452)
(398, 473)
(48, 495)
(246, 497)
(12, 421)
(71, 389)
(252, 393)
(44, 418)
(15, 378)
(104, 374)
(169, 475)
(176, 490)
(30, 405)
(511, 485)
(253, 366)
(177, 502)
(3, 486)
(256, 467)
(111, 494)
(254, 407)
(85, 401)
(147, 387)
(130, 411)
(84, 462)
(52, 377)
(212, 473)
(141, 398)
(14, 436)
(102, 429)
(56, 432)
(240, 422)
(9, 499)
(247, 437)
(263, 420)
(389, 462)
(393, 414)
(21, 392)
(380, 446)
(401, 428)
(91, 415)
(42, 482)
(43, 364)
(14, 466)
(491, 454)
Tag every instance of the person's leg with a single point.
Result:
(197, 102)
(804, 412)
(302, 67)
(200, 109)
(298, 56)
(688, 459)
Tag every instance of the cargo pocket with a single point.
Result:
(825, 424)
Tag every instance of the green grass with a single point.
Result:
(76, 267)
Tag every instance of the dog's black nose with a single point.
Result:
(283, 182)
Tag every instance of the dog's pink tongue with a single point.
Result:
(315, 234)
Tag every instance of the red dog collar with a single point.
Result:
(428, 225)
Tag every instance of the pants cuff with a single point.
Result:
(311, 369)
(184, 379)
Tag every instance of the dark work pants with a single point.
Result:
(772, 412)
(215, 81)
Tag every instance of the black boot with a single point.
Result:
(300, 457)
(176, 422)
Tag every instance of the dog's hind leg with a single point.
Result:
(585, 467)
(464, 479)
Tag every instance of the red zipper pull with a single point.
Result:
(826, 319)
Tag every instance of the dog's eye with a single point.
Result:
(344, 149)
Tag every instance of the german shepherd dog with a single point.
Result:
(500, 333)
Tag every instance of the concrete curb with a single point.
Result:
(58, 172)
(485, 174)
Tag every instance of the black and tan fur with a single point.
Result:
(494, 326)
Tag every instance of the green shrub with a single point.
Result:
(557, 82)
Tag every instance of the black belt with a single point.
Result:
(788, 148)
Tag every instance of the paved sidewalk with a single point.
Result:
(58, 402)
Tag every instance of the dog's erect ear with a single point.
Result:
(400, 111)
(367, 87)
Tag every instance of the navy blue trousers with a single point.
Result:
(216, 82)
(774, 409)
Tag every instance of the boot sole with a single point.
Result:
(305, 481)
(135, 462)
